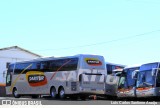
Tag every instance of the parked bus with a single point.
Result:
(148, 82)
(112, 84)
(113, 73)
(112, 66)
(80, 75)
(127, 84)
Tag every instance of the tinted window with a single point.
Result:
(145, 79)
(111, 67)
(64, 64)
(22, 68)
(148, 66)
(129, 79)
(10, 69)
(45, 66)
(48, 66)
(35, 66)
(122, 83)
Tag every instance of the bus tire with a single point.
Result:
(15, 93)
(53, 93)
(61, 93)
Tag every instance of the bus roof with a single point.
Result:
(151, 63)
(132, 66)
(115, 64)
(54, 58)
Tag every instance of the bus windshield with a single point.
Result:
(122, 82)
(130, 81)
(145, 79)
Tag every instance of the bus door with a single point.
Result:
(9, 79)
(93, 82)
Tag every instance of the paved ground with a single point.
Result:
(100, 101)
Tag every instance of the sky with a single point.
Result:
(123, 31)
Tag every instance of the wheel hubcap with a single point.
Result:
(53, 94)
(62, 93)
(15, 93)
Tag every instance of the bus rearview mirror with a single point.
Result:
(154, 72)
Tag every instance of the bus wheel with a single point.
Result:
(15, 93)
(53, 93)
(61, 93)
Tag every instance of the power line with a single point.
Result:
(144, 2)
(106, 42)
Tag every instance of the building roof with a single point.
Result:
(17, 47)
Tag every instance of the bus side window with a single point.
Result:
(17, 69)
(45, 66)
(109, 69)
(38, 66)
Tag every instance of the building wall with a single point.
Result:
(11, 56)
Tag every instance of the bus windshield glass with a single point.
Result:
(130, 81)
(145, 79)
(122, 82)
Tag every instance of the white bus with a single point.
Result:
(112, 84)
(113, 72)
(148, 82)
(127, 84)
(81, 75)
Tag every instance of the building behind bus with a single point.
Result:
(11, 55)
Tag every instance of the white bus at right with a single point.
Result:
(148, 81)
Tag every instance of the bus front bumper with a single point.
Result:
(146, 93)
(126, 94)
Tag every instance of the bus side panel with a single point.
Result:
(24, 87)
(65, 79)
